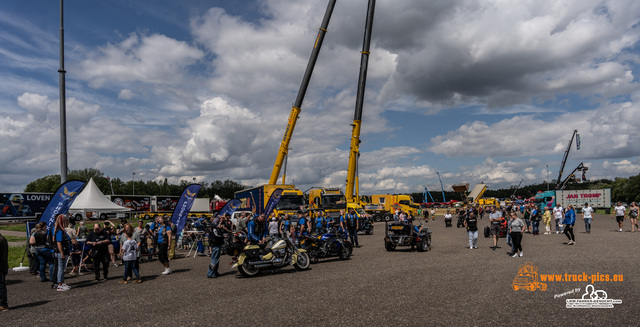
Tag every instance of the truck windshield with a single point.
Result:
(290, 202)
(332, 201)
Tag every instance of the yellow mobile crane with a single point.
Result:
(352, 192)
(291, 198)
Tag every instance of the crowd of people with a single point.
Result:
(96, 250)
(513, 221)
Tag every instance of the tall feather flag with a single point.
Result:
(179, 217)
(61, 201)
(230, 207)
(273, 201)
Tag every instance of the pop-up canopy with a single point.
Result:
(92, 199)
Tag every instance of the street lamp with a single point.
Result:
(547, 177)
(133, 182)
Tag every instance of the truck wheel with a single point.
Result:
(377, 218)
(389, 246)
(103, 216)
(388, 218)
(146, 217)
(78, 217)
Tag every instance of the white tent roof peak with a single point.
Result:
(92, 199)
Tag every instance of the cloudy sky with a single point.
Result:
(477, 90)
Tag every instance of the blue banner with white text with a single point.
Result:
(60, 202)
(273, 201)
(230, 207)
(179, 217)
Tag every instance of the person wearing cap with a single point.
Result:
(274, 232)
(587, 217)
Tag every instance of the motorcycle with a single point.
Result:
(282, 254)
(366, 225)
(326, 245)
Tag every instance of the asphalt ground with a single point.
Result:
(450, 285)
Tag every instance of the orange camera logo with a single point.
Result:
(528, 278)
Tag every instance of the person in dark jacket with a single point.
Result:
(4, 269)
(216, 239)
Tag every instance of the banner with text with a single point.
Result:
(61, 201)
(179, 217)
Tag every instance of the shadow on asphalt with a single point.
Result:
(29, 305)
(13, 281)
(273, 272)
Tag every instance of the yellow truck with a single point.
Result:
(391, 203)
(330, 200)
(255, 199)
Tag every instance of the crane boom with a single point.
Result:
(564, 159)
(352, 188)
(442, 187)
(295, 110)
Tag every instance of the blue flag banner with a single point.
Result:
(60, 202)
(179, 217)
(273, 200)
(230, 207)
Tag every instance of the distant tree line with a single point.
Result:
(49, 184)
(622, 189)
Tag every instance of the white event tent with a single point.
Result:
(91, 203)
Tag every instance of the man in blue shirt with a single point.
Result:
(352, 224)
(320, 223)
(256, 230)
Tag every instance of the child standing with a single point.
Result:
(129, 256)
(76, 252)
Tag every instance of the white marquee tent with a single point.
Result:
(91, 203)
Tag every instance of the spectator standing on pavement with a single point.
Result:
(433, 214)
(44, 252)
(75, 251)
(546, 218)
(517, 226)
(163, 239)
(471, 223)
(110, 230)
(99, 240)
(569, 221)
(352, 225)
(82, 231)
(511, 217)
(216, 239)
(558, 213)
(4, 270)
(62, 250)
(587, 212)
(633, 216)
(129, 254)
(535, 220)
(527, 217)
(273, 230)
(620, 212)
(494, 218)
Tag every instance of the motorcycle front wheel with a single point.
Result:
(303, 261)
(247, 270)
(346, 251)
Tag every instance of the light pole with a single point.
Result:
(133, 182)
(547, 177)
(63, 105)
